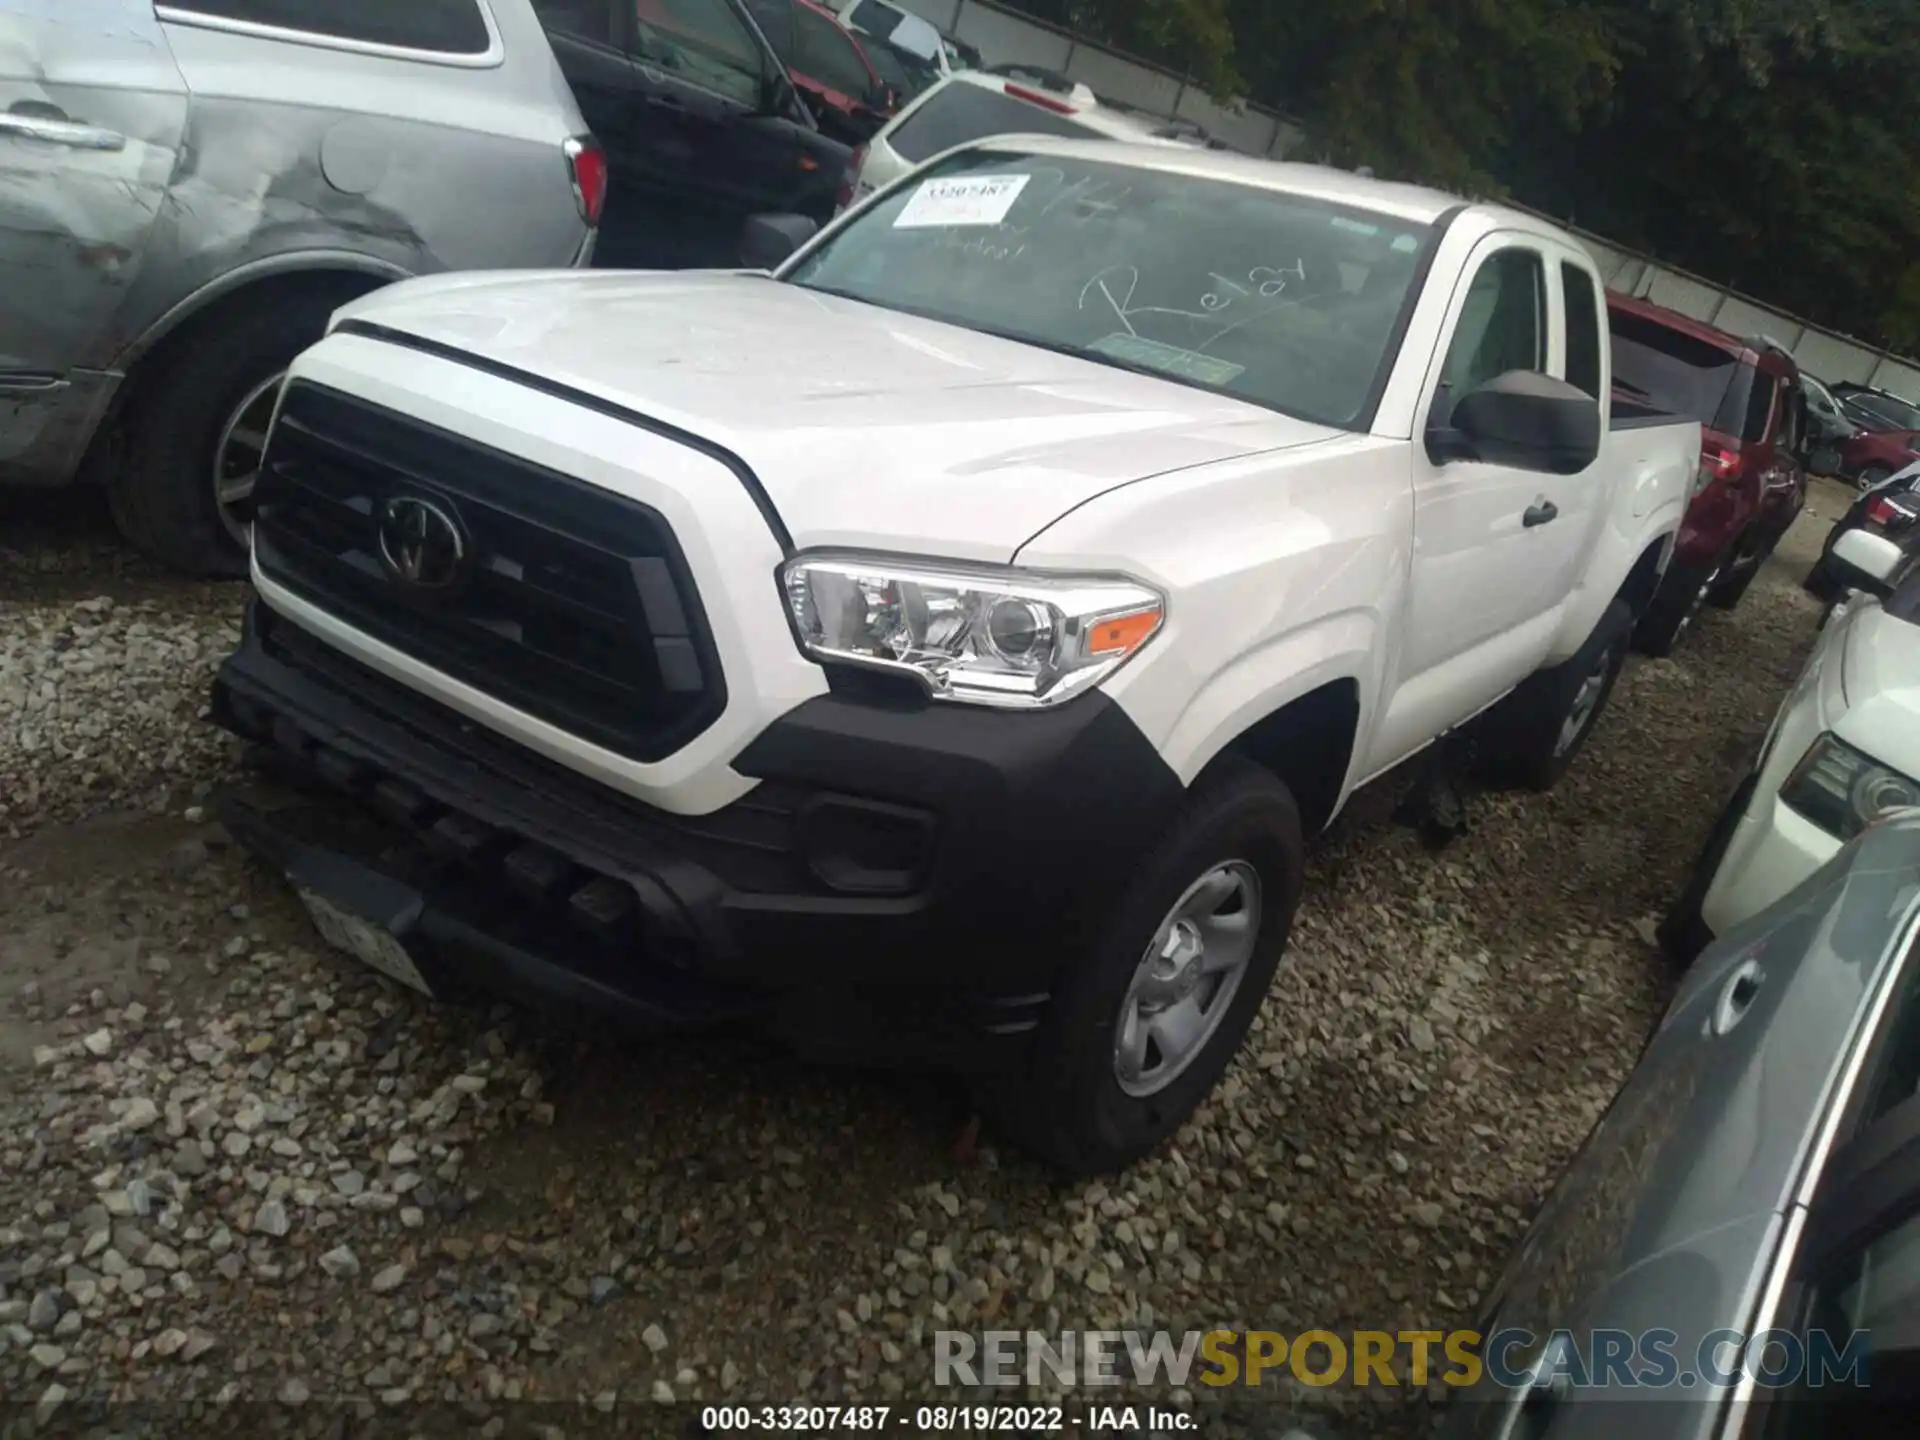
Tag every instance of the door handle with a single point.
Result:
(1737, 996)
(1539, 513)
(61, 132)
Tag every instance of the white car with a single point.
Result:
(1008, 100)
(939, 649)
(1843, 751)
(906, 32)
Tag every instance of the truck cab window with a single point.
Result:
(1583, 329)
(1501, 327)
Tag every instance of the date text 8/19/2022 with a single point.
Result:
(937, 1419)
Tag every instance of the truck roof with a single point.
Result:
(1415, 203)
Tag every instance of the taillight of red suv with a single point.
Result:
(587, 165)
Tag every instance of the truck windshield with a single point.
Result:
(1275, 298)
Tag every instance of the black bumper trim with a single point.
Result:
(1032, 821)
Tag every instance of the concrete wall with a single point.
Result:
(1003, 36)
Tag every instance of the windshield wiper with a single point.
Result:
(1057, 347)
(1078, 352)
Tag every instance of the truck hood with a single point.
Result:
(867, 427)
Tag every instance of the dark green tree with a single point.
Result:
(1773, 145)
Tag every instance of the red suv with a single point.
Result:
(1752, 410)
(828, 65)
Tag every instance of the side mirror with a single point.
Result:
(767, 240)
(1522, 419)
(1862, 560)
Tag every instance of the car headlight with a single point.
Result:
(987, 636)
(1843, 791)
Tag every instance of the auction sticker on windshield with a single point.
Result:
(964, 200)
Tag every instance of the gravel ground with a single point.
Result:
(235, 1167)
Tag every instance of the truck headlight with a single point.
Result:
(988, 636)
(1843, 791)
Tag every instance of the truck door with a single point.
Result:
(1495, 547)
(92, 108)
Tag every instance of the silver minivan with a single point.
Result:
(188, 190)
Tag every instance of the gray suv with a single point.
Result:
(188, 190)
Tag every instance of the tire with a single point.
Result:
(1683, 931)
(1068, 1106)
(162, 498)
(1870, 477)
(1532, 738)
(1675, 604)
(1732, 586)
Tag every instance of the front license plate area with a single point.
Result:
(367, 942)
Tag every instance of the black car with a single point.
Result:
(700, 123)
(1891, 509)
(1876, 409)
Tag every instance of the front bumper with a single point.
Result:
(904, 883)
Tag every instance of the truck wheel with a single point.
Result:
(1146, 1018)
(196, 433)
(1726, 592)
(1870, 478)
(1530, 739)
(1683, 590)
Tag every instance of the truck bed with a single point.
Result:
(1632, 414)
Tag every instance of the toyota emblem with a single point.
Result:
(421, 543)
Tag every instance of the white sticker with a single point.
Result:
(965, 200)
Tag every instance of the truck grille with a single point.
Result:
(562, 600)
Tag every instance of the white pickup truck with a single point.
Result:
(939, 648)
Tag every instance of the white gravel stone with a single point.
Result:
(391, 1278)
(43, 1313)
(271, 1219)
(340, 1262)
(141, 1113)
(199, 1342)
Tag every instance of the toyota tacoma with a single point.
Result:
(939, 647)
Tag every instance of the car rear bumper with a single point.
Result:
(904, 883)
